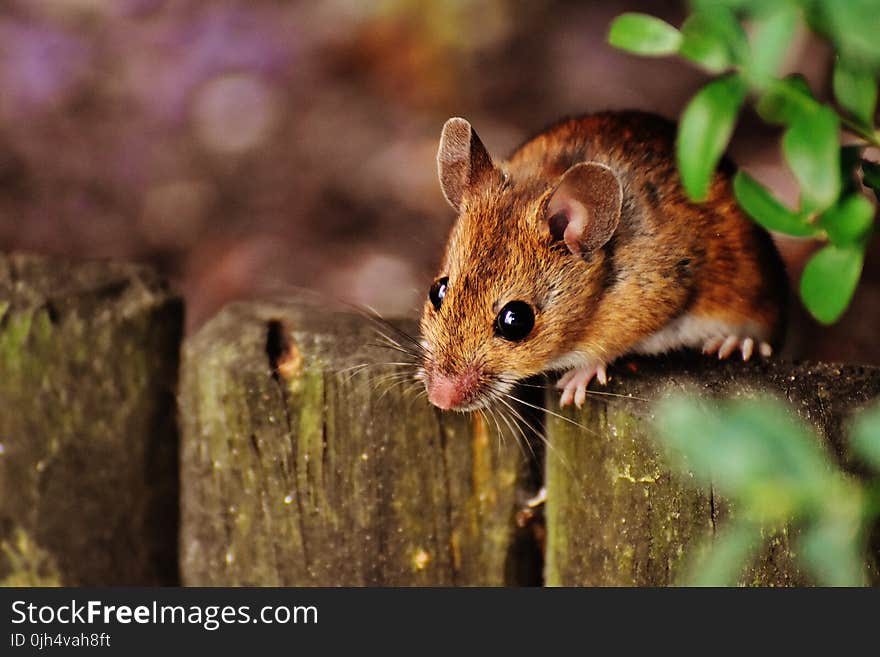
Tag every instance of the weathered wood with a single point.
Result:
(88, 444)
(299, 468)
(615, 514)
(325, 474)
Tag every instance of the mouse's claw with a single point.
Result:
(726, 346)
(537, 499)
(574, 383)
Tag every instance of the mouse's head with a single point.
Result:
(523, 267)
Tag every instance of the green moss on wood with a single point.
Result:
(88, 356)
(614, 515)
(28, 564)
(617, 516)
(316, 475)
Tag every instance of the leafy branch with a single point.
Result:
(771, 467)
(833, 205)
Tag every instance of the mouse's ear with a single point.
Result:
(462, 160)
(584, 210)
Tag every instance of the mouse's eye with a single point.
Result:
(515, 321)
(438, 291)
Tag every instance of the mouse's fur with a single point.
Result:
(671, 273)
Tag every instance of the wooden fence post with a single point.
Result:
(88, 441)
(615, 514)
(323, 473)
(303, 461)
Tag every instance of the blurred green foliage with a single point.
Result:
(770, 466)
(754, 452)
(745, 42)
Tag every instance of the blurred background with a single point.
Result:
(245, 146)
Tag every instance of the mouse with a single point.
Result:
(580, 248)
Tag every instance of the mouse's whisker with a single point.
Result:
(348, 373)
(520, 421)
(355, 369)
(370, 369)
(502, 440)
(397, 364)
(390, 387)
(388, 341)
(553, 413)
(359, 366)
(396, 346)
(412, 394)
(516, 433)
(516, 418)
(380, 382)
(601, 393)
(392, 378)
(387, 338)
(541, 436)
(486, 413)
(415, 357)
(380, 321)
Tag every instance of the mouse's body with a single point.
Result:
(583, 247)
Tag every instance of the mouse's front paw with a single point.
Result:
(574, 383)
(724, 347)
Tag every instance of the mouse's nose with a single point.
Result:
(451, 391)
(443, 392)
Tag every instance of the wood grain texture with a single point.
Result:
(319, 474)
(615, 514)
(89, 355)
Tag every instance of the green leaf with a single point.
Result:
(722, 561)
(760, 205)
(812, 150)
(851, 25)
(753, 451)
(856, 91)
(848, 221)
(871, 175)
(744, 6)
(644, 35)
(832, 549)
(715, 40)
(786, 100)
(865, 436)
(770, 40)
(829, 281)
(705, 128)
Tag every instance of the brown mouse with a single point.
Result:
(582, 247)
